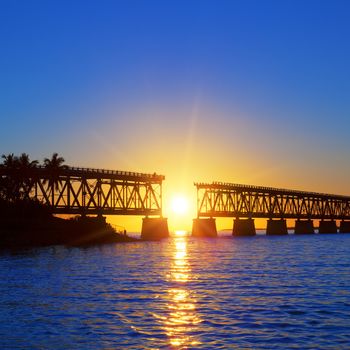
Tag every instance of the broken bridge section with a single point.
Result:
(88, 191)
(245, 202)
(98, 191)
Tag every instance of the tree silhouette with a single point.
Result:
(25, 167)
(25, 163)
(54, 167)
(9, 161)
(9, 182)
(17, 182)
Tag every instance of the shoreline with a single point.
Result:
(36, 232)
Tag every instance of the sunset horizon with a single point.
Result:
(174, 174)
(253, 100)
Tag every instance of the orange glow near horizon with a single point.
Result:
(186, 147)
(190, 146)
(179, 208)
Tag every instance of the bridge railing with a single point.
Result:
(236, 200)
(78, 190)
(74, 169)
(264, 189)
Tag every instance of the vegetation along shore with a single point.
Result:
(25, 221)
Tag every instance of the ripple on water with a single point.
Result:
(287, 292)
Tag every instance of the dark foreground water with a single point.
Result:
(251, 293)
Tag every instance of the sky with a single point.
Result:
(253, 92)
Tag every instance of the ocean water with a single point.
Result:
(290, 292)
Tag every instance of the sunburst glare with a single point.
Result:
(179, 205)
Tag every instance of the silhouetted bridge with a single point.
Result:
(99, 191)
(244, 203)
(87, 191)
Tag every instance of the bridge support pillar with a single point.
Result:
(344, 227)
(204, 228)
(276, 227)
(243, 227)
(327, 227)
(154, 229)
(304, 227)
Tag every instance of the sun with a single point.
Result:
(180, 209)
(179, 205)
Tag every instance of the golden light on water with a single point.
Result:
(182, 316)
(180, 269)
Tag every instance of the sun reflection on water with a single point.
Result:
(182, 317)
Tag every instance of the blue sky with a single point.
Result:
(241, 91)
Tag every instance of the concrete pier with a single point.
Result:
(243, 227)
(344, 227)
(154, 229)
(204, 227)
(276, 227)
(304, 227)
(327, 226)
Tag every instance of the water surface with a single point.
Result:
(290, 292)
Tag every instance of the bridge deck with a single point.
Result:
(102, 173)
(75, 190)
(219, 199)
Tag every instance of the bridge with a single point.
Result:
(88, 191)
(245, 202)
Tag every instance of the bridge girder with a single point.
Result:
(234, 200)
(94, 191)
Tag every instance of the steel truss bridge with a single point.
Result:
(233, 200)
(84, 191)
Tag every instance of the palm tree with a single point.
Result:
(9, 161)
(25, 167)
(10, 185)
(25, 162)
(18, 180)
(54, 167)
